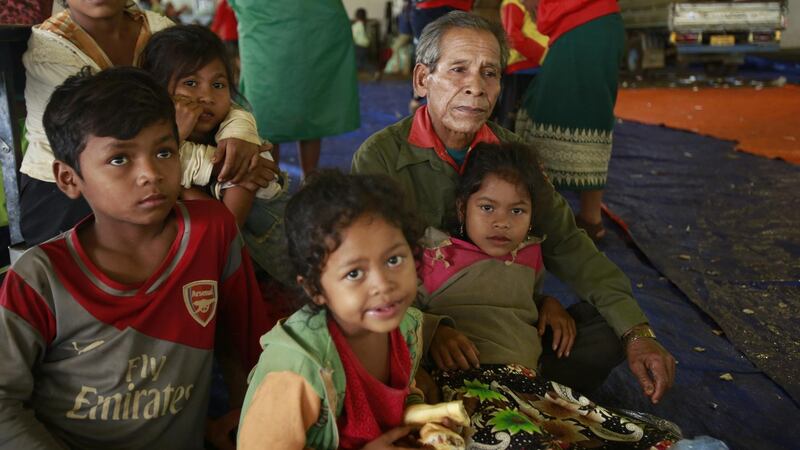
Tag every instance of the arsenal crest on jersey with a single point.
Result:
(200, 298)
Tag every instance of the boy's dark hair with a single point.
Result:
(328, 203)
(361, 14)
(180, 50)
(512, 162)
(118, 102)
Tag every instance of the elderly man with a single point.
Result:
(460, 59)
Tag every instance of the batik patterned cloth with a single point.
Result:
(512, 407)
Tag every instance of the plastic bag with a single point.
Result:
(700, 443)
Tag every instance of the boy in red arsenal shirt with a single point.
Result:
(110, 327)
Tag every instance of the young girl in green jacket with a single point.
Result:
(339, 372)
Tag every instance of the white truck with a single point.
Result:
(718, 33)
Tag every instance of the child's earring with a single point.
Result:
(461, 229)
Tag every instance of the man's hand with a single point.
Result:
(653, 366)
(386, 440)
(218, 431)
(240, 157)
(564, 331)
(451, 349)
(266, 146)
(187, 112)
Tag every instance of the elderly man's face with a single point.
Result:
(462, 91)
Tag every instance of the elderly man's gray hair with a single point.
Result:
(428, 49)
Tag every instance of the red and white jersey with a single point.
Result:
(93, 363)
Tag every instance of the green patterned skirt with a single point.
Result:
(568, 111)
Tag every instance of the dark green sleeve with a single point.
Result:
(538, 286)
(370, 158)
(571, 256)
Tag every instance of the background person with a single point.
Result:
(298, 71)
(568, 112)
(527, 50)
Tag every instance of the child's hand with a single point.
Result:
(187, 112)
(564, 331)
(240, 157)
(386, 440)
(451, 349)
(266, 146)
(264, 172)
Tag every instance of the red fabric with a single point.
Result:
(25, 12)
(521, 65)
(513, 18)
(464, 5)
(441, 263)
(423, 135)
(224, 23)
(370, 407)
(19, 298)
(556, 17)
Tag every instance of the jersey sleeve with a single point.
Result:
(243, 313)
(283, 408)
(28, 326)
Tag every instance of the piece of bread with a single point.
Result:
(440, 437)
(422, 414)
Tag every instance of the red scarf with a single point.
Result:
(371, 407)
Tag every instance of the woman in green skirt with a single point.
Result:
(298, 71)
(568, 112)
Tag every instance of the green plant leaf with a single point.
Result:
(512, 421)
(482, 392)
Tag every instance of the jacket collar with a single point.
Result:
(423, 135)
(435, 240)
